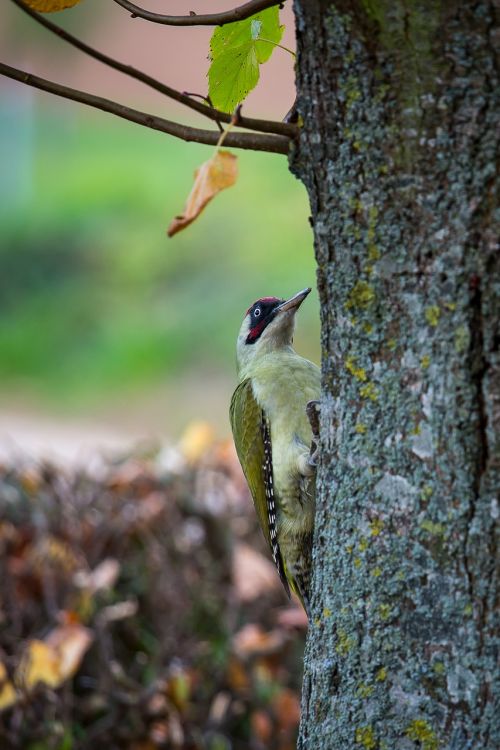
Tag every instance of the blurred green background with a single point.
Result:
(101, 315)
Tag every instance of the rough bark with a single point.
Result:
(397, 103)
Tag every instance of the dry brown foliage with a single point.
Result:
(138, 609)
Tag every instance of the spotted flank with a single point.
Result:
(301, 571)
(267, 471)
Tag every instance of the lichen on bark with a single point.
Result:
(397, 151)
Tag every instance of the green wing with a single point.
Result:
(251, 436)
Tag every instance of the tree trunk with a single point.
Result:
(397, 151)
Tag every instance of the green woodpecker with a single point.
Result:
(271, 416)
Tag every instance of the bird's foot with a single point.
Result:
(313, 411)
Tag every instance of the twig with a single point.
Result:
(249, 123)
(225, 134)
(199, 96)
(210, 19)
(208, 101)
(275, 44)
(277, 144)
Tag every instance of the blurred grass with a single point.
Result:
(95, 300)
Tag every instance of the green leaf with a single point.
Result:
(236, 51)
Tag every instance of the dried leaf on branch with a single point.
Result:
(214, 175)
(50, 6)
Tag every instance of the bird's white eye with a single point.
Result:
(256, 312)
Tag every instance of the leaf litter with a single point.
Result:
(138, 608)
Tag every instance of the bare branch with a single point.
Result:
(249, 123)
(210, 19)
(277, 144)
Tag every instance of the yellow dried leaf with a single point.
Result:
(39, 663)
(54, 660)
(197, 438)
(8, 694)
(50, 6)
(219, 172)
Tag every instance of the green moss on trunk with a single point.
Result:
(397, 152)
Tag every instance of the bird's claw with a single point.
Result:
(313, 411)
(313, 457)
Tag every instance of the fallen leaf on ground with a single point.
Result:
(219, 172)
(7, 692)
(159, 733)
(119, 611)
(132, 475)
(104, 576)
(286, 706)
(252, 640)
(179, 688)
(70, 643)
(262, 726)
(293, 617)
(237, 675)
(8, 534)
(150, 508)
(31, 480)
(253, 575)
(219, 707)
(52, 551)
(39, 663)
(54, 660)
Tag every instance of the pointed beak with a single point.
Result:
(294, 302)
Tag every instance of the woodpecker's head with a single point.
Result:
(268, 324)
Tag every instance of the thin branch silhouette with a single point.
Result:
(248, 123)
(208, 19)
(254, 141)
